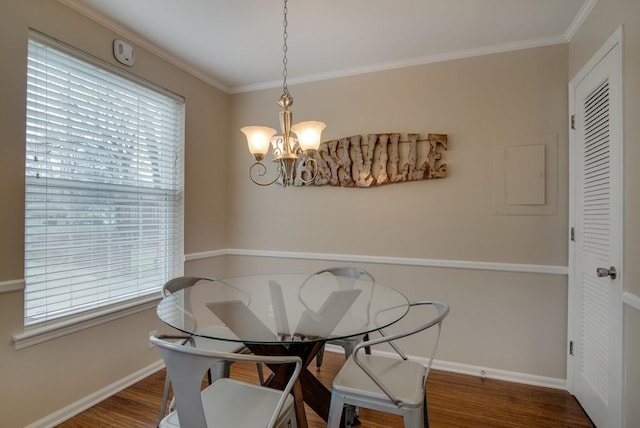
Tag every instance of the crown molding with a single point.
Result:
(142, 42)
(391, 65)
(411, 62)
(579, 19)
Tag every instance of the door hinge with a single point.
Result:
(571, 347)
(573, 121)
(573, 234)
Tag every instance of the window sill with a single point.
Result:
(34, 336)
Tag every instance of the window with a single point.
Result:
(104, 184)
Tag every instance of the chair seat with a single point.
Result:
(226, 401)
(347, 341)
(394, 373)
(341, 330)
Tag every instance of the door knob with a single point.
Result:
(602, 272)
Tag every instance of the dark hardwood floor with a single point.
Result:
(455, 400)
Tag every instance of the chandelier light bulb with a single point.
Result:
(258, 139)
(309, 134)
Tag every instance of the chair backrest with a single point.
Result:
(186, 367)
(348, 272)
(354, 273)
(180, 283)
(183, 283)
(442, 310)
(321, 323)
(346, 276)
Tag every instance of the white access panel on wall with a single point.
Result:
(525, 175)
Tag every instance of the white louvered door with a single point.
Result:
(595, 283)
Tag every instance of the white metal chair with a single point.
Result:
(219, 368)
(392, 385)
(226, 402)
(347, 276)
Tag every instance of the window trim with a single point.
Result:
(40, 37)
(74, 323)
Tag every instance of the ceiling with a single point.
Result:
(236, 45)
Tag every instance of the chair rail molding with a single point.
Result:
(405, 261)
(631, 300)
(11, 286)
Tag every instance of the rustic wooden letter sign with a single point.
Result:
(381, 159)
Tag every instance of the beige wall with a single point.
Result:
(500, 320)
(604, 19)
(42, 379)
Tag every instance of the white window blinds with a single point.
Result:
(104, 185)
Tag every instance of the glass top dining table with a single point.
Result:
(285, 314)
(283, 308)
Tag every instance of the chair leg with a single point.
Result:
(335, 411)
(413, 418)
(350, 413)
(319, 357)
(165, 398)
(367, 349)
(348, 350)
(219, 370)
(246, 350)
(260, 373)
(425, 411)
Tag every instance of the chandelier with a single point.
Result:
(293, 155)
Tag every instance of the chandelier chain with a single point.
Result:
(285, 89)
(294, 155)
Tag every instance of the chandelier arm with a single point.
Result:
(313, 171)
(261, 172)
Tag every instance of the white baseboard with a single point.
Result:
(489, 373)
(91, 400)
(468, 369)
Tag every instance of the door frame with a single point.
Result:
(615, 403)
